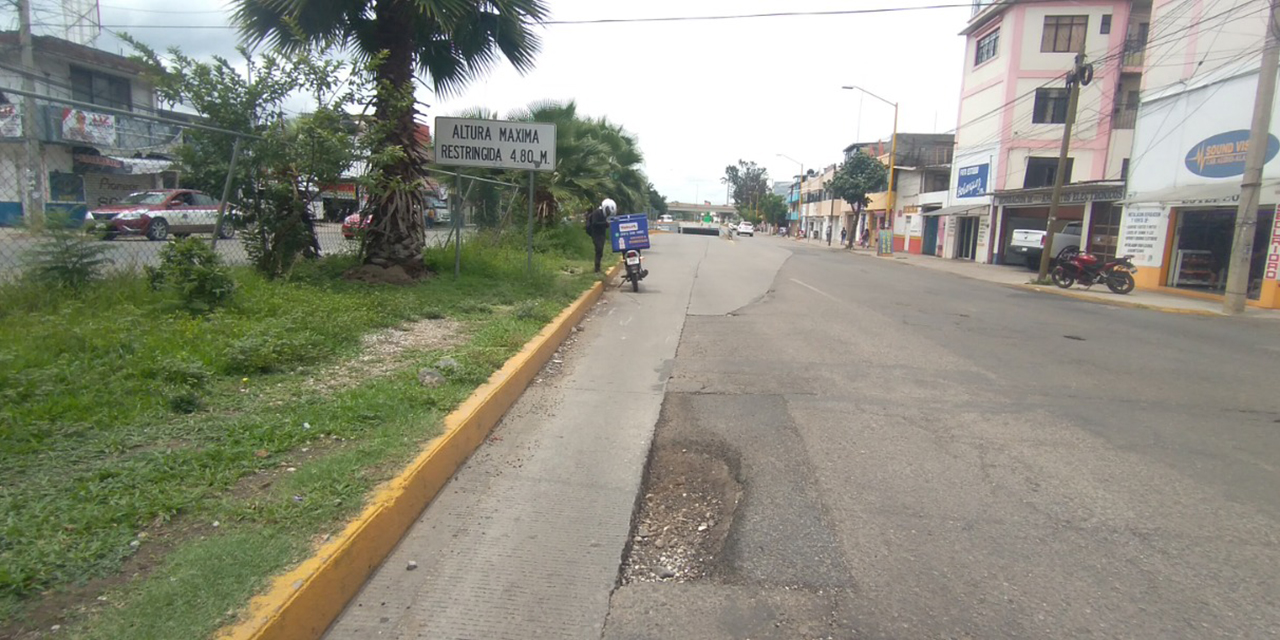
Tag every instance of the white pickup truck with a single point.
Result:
(1027, 245)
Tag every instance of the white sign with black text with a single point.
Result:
(495, 144)
(1142, 234)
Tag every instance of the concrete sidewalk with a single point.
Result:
(527, 538)
(1019, 276)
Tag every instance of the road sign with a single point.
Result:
(495, 144)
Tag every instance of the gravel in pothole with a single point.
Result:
(684, 517)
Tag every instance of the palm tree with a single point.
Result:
(595, 159)
(448, 41)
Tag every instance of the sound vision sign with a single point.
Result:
(495, 144)
(1223, 155)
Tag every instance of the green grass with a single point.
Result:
(119, 416)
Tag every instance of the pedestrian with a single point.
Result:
(844, 233)
(431, 218)
(597, 226)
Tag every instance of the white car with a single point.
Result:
(745, 229)
(1028, 244)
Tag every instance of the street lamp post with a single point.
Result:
(893, 151)
(799, 187)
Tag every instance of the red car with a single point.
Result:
(157, 214)
(354, 225)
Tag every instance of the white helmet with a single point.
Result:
(609, 207)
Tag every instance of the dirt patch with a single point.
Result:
(684, 518)
(56, 609)
(393, 275)
(385, 351)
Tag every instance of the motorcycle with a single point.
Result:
(635, 272)
(1088, 270)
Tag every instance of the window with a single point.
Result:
(988, 47)
(937, 182)
(1106, 25)
(1041, 172)
(1063, 34)
(1124, 170)
(203, 200)
(101, 89)
(1050, 106)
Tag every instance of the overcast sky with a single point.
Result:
(698, 95)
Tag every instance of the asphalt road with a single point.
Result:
(132, 253)
(927, 456)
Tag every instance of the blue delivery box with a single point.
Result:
(629, 232)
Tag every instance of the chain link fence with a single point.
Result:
(109, 180)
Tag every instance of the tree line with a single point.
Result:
(854, 181)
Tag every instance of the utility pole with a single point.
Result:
(32, 179)
(893, 159)
(1079, 75)
(1238, 267)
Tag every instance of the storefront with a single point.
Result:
(908, 230)
(1084, 203)
(1184, 245)
(1202, 249)
(1185, 183)
(957, 232)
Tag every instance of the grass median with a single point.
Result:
(158, 467)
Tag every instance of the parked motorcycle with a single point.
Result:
(1088, 270)
(635, 271)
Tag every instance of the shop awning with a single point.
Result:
(958, 210)
(1224, 193)
(144, 165)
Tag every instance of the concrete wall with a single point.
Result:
(1196, 38)
(1171, 128)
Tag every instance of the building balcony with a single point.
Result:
(1133, 57)
(60, 124)
(1124, 117)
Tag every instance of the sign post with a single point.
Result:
(529, 260)
(498, 144)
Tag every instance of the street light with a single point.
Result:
(800, 188)
(893, 146)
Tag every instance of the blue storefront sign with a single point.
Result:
(629, 232)
(1222, 155)
(972, 181)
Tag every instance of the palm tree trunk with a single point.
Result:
(396, 232)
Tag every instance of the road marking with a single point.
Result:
(816, 290)
(627, 321)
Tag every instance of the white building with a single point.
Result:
(1189, 147)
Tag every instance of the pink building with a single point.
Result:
(1012, 107)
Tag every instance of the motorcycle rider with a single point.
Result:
(598, 226)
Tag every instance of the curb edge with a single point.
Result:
(1117, 303)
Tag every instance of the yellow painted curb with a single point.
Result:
(1116, 303)
(302, 603)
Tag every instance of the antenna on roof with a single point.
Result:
(81, 21)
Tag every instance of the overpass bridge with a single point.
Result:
(690, 212)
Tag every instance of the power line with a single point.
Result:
(666, 19)
(135, 9)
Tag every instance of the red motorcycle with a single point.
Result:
(1088, 270)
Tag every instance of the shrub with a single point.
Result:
(271, 352)
(184, 401)
(66, 257)
(278, 230)
(193, 274)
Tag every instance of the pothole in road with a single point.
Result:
(684, 518)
